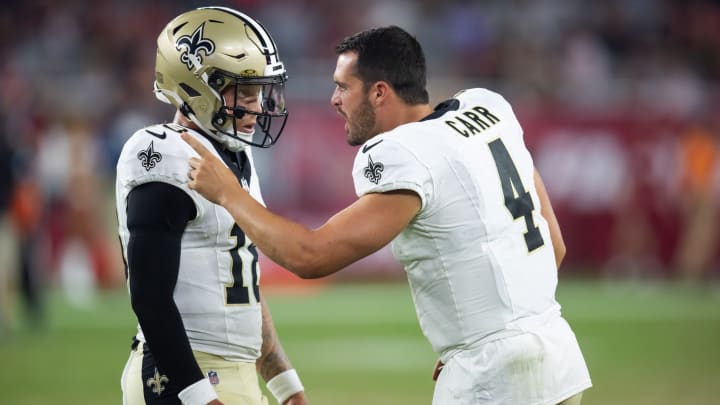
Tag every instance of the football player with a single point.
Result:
(456, 191)
(204, 331)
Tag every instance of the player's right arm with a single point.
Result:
(360, 229)
(157, 214)
(547, 212)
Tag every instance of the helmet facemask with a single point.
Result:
(271, 114)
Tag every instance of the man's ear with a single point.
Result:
(379, 92)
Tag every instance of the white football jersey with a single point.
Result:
(217, 287)
(478, 255)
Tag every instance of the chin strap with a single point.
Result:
(231, 144)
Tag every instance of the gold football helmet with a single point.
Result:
(202, 52)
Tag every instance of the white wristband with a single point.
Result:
(285, 385)
(199, 393)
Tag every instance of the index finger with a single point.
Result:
(195, 144)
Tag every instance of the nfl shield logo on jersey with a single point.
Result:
(213, 377)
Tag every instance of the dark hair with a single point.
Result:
(392, 55)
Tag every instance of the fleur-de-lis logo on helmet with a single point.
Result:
(373, 171)
(148, 157)
(194, 45)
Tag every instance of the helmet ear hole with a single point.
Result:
(217, 81)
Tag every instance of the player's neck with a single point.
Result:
(180, 119)
(402, 114)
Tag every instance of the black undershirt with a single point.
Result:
(157, 214)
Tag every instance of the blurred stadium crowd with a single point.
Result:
(619, 100)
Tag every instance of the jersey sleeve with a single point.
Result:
(385, 165)
(156, 154)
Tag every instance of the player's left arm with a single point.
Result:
(547, 212)
(274, 366)
(360, 229)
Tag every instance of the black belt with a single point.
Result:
(135, 343)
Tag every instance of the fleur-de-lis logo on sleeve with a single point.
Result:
(373, 171)
(157, 382)
(148, 157)
(194, 46)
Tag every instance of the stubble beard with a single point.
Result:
(363, 126)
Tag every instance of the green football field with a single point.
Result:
(645, 343)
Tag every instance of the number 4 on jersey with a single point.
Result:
(517, 200)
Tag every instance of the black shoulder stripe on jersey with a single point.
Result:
(448, 105)
(238, 162)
